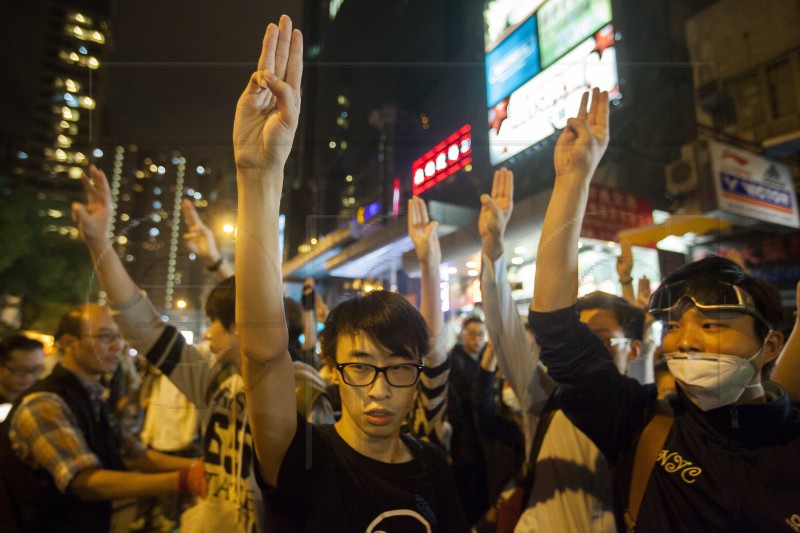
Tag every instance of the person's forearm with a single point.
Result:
(310, 330)
(152, 461)
(515, 355)
(224, 271)
(627, 291)
(112, 484)
(431, 309)
(259, 309)
(556, 279)
(492, 247)
(266, 365)
(115, 280)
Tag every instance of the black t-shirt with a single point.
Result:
(325, 485)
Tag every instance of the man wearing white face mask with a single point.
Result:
(727, 460)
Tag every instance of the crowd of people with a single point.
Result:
(526, 424)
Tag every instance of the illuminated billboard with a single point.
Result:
(512, 62)
(501, 17)
(447, 157)
(562, 24)
(543, 104)
(573, 42)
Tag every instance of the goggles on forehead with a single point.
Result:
(721, 296)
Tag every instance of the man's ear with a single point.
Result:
(772, 347)
(66, 342)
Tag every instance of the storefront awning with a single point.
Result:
(677, 225)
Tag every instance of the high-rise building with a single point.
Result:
(61, 47)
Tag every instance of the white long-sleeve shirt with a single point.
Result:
(572, 487)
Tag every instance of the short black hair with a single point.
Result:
(386, 318)
(17, 341)
(705, 274)
(472, 319)
(631, 319)
(221, 302)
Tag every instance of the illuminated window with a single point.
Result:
(70, 114)
(80, 18)
(86, 102)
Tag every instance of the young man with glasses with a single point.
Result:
(726, 458)
(360, 474)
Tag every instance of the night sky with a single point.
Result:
(178, 67)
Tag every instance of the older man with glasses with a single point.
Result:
(63, 457)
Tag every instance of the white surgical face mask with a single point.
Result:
(712, 380)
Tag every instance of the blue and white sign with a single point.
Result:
(753, 186)
(513, 62)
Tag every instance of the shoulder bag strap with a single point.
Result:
(541, 429)
(650, 443)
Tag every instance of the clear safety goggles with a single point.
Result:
(721, 296)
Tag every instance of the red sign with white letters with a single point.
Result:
(609, 211)
(449, 156)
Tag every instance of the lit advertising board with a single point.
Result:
(752, 186)
(543, 104)
(512, 62)
(565, 23)
(501, 17)
(447, 157)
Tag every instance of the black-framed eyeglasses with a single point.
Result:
(363, 374)
(723, 296)
(105, 337)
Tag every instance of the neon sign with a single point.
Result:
(449, 156)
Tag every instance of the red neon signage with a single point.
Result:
(449, 156)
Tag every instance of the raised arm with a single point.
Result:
(309, 301)
(136, 316)
(263, 131)
(624, 270)
(577, 153)
(515, 354)
(94, 219)
(422, 231)
(787, 369)
(427, 420)
(200, 240)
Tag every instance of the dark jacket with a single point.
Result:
(734, 468)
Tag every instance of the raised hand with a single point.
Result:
(625, 261)
(268, 109)
(423, 233)
(584, 140)
(488, 360)
(199, 239)
(643, 294)
(495, 212)
(94, 217)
